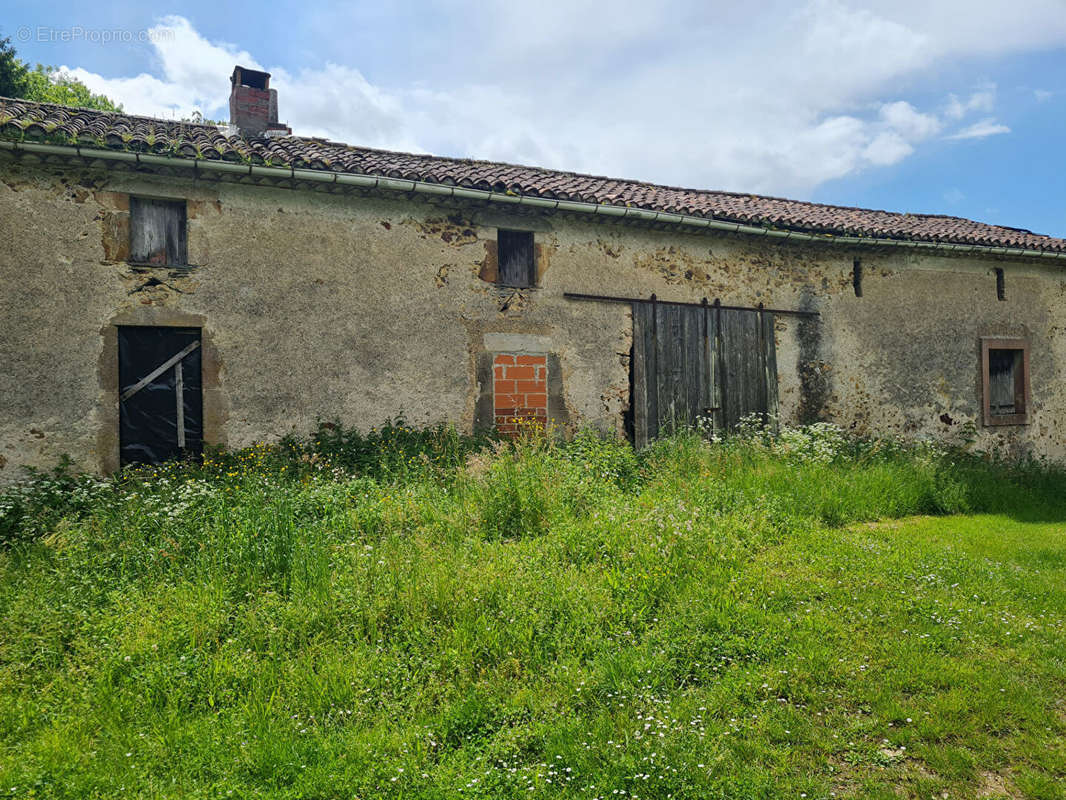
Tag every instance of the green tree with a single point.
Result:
(45, 84)
(12, 71)
(52, 85)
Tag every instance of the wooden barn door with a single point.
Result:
(160, 398)
(692, 361)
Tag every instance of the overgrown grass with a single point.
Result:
(419, 614)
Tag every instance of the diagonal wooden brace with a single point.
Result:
(155, 373)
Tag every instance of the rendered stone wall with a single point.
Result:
(327, 306)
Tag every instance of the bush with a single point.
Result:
(605, 459)
(521, 487)
(393, 451)
(518, 486)
(30, 509)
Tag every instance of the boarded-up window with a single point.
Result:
(157, 232)
(1005, 381)
(1003, 369)
(160, 399)
(517, 258)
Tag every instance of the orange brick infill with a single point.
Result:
(509, 401)
(520, 391)
(522, 373)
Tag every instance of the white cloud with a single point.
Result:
(887, 148)
(691, 94)
(983, 100)
(337, 102)
(195, 74)
(979, 130)
(1042, 95)
(191, 61)
(908, 122)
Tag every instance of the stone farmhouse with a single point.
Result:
(166, 285)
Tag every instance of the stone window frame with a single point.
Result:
(486, 346)
(1021, 381)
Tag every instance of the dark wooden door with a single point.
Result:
(160, 398)
(692, 361)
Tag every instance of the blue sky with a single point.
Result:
(930, 106)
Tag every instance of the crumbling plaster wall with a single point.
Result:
(319, 306)
(902, 359)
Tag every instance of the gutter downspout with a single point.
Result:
(464, 193)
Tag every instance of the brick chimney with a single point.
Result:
(253, 105)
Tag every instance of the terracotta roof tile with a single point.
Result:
(22, 119)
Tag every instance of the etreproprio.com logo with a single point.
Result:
(76, 33)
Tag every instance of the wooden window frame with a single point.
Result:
(182, 254)
(1021, 381)
(531, 282)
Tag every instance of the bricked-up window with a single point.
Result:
(520, 390)
(1005, 381)
(157, 232)
(517, 258)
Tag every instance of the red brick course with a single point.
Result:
(520, 391)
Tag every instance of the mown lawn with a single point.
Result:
(415, 617)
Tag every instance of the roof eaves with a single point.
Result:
(238, 161)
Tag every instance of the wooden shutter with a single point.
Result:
(157, 232)
(516, 257)
(1001, 383)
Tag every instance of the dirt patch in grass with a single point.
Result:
(996, 785)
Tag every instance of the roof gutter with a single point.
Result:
(357, 180)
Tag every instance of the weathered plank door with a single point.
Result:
(157, 232)
(693, 361)
(160, 397)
